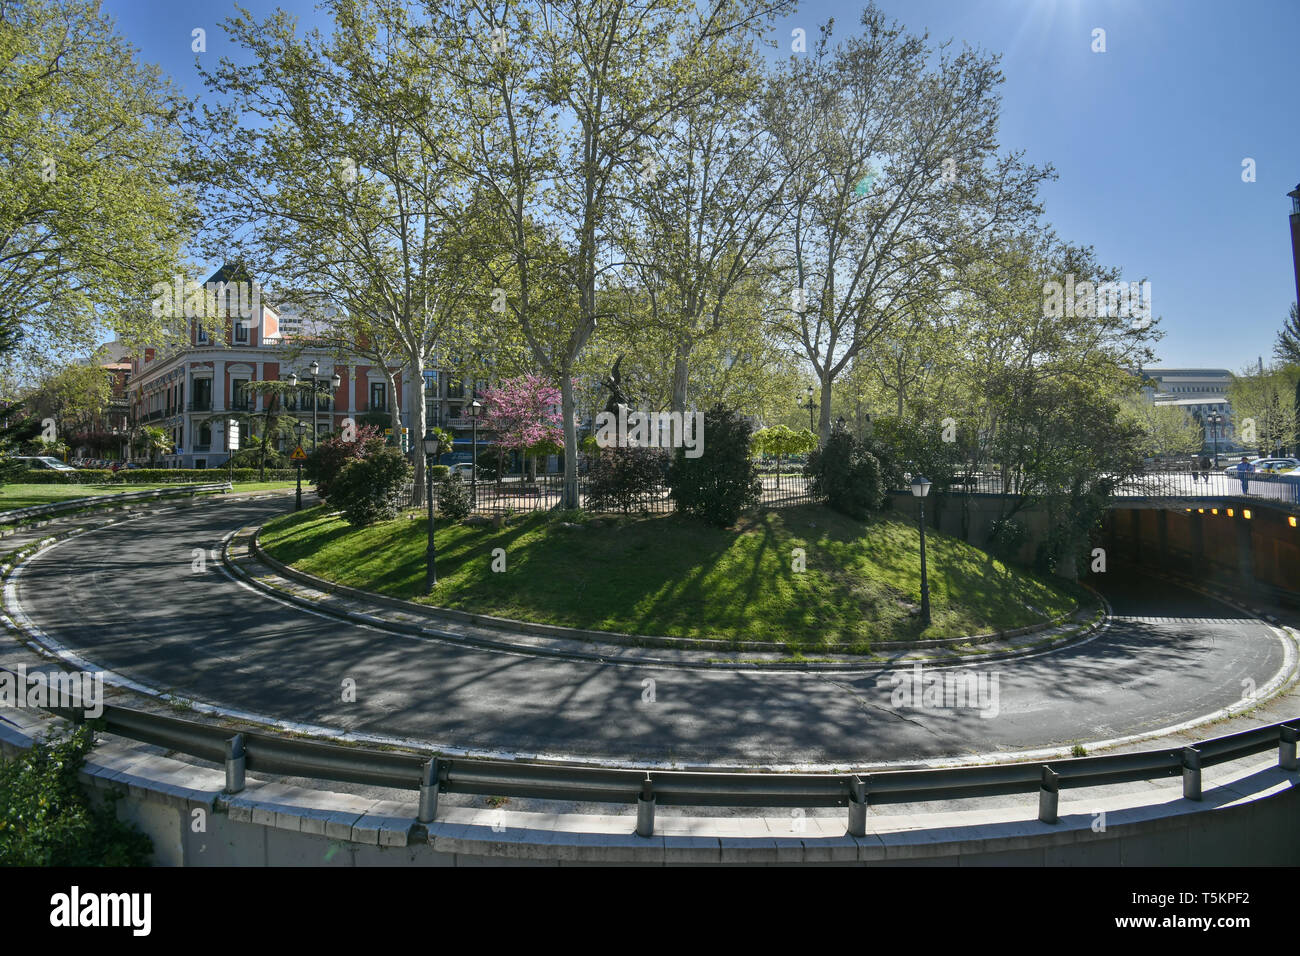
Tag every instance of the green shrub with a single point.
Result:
(619, 478)
(454, 503)
(440, 472)
(722, 483)
(1006, 538)
(47, 819)
(326, 461)
(847, 475)
(371, 489)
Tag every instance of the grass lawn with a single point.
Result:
(27, 496)
(669, 576)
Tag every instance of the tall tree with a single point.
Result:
(563, 99)
(91, 211)
(333, 153)
(891, 147)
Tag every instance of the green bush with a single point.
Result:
(440, 472)
(47, 819)
(847, 475)
(371, 489)
(722, 483)
(454, 501)
(325, 463)
(1006, 538)
(619, 478)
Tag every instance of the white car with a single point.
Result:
(464, 469)
(46, 463)
(1267, 466)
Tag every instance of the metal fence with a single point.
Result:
(1284, 489)
(269, 753)
(515, 494)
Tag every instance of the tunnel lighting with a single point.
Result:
(1230, 512)
(1245, 513)
(1189, 510)
(1214, 511)
(1200, 511)
(1291, 520)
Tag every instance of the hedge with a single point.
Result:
(149, 476)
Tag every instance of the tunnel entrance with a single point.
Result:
(1246, 548)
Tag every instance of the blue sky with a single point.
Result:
(1147, 138)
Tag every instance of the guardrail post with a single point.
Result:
(1191, 773)
(1286, 758)
(1049, 796)
(645, 809)
(236, 760)
(857, 807)
(429, 791)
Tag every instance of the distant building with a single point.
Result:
(1197, 391)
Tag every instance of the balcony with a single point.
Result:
(198, 406)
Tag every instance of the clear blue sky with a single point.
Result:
(1148, 138)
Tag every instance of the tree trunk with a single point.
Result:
(567, 408)
(824, 413)
(417, 425)
(679, 376)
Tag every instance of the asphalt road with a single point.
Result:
(126, 598)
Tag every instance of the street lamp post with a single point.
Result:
(430, 442)
(920, 488)
(474, 407)
(299, 428)
(335, 381)
(812, 407)
(1215, 421)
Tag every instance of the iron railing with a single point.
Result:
(76, 504)
(431, 774)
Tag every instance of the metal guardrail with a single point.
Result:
(75, 504)
(291, 756)
(1214, 484)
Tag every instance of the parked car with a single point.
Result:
(464, 469)
(45, 463)
(1276, 466)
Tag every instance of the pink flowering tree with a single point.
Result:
(524, 413)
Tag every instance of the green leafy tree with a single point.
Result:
(1287, 348)
(722, 483)
(153, 441)
(92, 212)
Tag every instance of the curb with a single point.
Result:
(440, 615)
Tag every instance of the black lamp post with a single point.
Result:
(812, 407)
(335, 381)
(921, 488)
(430, 442)
(475, 407)
(1215, 420)
(299, 427)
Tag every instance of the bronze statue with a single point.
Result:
(614, 382)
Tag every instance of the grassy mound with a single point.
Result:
(667, 576)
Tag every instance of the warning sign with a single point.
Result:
(298, 454)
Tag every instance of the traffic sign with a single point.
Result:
(298, 454)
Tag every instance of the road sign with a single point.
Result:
(232, 435)
(298, 454)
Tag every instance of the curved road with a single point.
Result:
(125, 598)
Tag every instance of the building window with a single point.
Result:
(202, 336)
(239, 394)
(204, 440)
(202, 394)
(430, 384)
(241, 332)
(378, 402)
